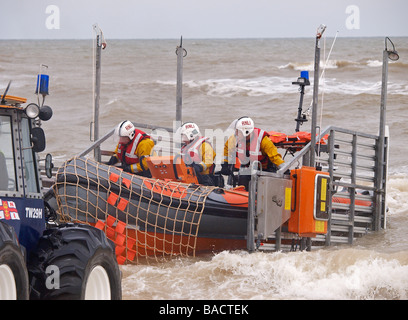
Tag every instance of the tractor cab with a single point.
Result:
(21, 194)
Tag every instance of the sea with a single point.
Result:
(224, 79)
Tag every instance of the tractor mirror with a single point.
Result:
(48, 166)
(38, 139)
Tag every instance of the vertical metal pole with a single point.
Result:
(316, 79)
(332, 189)
(352, 190)
(315, 101)
(299, 119)
(278, 238)
(98, 55)
(381, 142)
(384, 87)
(179, 95)
(251, 212)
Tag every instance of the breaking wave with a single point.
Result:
(264, 86)
(340, 64)
(309, 66)
(339, 273)
(375, 268)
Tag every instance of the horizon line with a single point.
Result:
(202, 38)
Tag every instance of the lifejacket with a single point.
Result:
(191, 152)
(253, 153)
(126, 152)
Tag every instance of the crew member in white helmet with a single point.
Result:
(197, 151)
(246, 145)
(133, 147)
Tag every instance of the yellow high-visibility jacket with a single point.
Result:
(143, 149)
(200, 152)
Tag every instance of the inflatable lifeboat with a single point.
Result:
(170, 213)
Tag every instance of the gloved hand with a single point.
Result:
(197, 168)
(113, 160)
(225, 169)
(127, 167)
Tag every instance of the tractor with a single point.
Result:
(40, 258)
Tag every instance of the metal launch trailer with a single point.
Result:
(354, 192)
(348, 199)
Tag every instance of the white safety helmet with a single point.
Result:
(126, 129)
(245, 125)
(189, 131)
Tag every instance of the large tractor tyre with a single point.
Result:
(74, 261)
(13, 270)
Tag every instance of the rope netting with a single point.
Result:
(144, 217)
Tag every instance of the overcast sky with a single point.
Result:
(147, 19)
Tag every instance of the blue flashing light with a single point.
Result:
(304, 74)
(42, 84)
